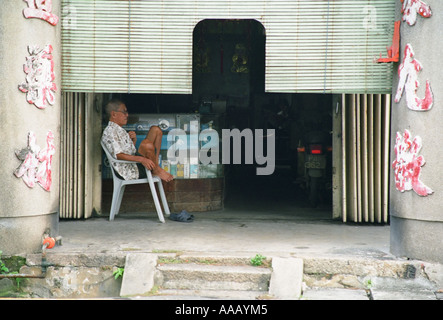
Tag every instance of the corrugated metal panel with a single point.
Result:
(146, 46)
(80, 183)
(362, 158)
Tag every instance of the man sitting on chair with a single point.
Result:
(121, 145)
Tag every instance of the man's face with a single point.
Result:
(120, 116)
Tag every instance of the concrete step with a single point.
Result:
(192, 276)
(386, 293)
(148, 275)
(175, 294)
(196, 277)
(321, 293)
(383, 288)
(343, 279)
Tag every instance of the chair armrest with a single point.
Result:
(123, 161)
(112, 159)
(128, 161)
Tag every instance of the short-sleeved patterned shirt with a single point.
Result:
(117, 140)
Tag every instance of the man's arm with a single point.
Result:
(147, 163)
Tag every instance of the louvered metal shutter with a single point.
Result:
(80, 155)
(361, 158)
(146, 46)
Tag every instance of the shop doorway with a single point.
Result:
(229, 78)
(229, 92)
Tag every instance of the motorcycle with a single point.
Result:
(316, 156)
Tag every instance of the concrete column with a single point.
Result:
(27, 211)
(417, 220)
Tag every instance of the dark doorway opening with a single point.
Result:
(229, 73)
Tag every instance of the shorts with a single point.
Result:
(141, 172)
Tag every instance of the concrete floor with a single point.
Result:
(265, 215)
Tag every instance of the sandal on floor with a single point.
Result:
(183, 216)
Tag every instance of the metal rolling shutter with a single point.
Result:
(80, 155)
(146, 46)
(361, 158)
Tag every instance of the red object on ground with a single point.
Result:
(50, 242)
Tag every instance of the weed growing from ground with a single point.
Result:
(257, 260)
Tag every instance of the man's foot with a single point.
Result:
(162, 174)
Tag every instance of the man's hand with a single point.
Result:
(147, 163)
(133, 136)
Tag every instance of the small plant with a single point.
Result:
(118, 273)
(3, 268)
(257, 260)
(368, 284)
(17, 281)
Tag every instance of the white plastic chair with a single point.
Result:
(120, 184)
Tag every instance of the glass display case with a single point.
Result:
(185, 138)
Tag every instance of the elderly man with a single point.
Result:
(121, 145)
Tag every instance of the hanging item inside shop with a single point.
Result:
(201, 53)
(408, 82)
(39, 69)
(36, 162)
(40, 9)
(411, 8)
(240, 59)
(407, 164)
(201, 60)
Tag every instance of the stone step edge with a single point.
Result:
(212, 277)
(311, 265)
(180, 294)
(212, 260)
(398, 269)
(203, 268)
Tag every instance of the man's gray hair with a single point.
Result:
(113, 105)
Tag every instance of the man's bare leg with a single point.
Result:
(150, 148)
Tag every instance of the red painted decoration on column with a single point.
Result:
(39, 69)
(407, 164)
(408, 81)
(36, 163)
(394, 49)
(28, 155)
(411, 8)
(44, 171)
(40, 9)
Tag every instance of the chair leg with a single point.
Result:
(163, 198)
(117, 197)
(155, 197)
(120, 198)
